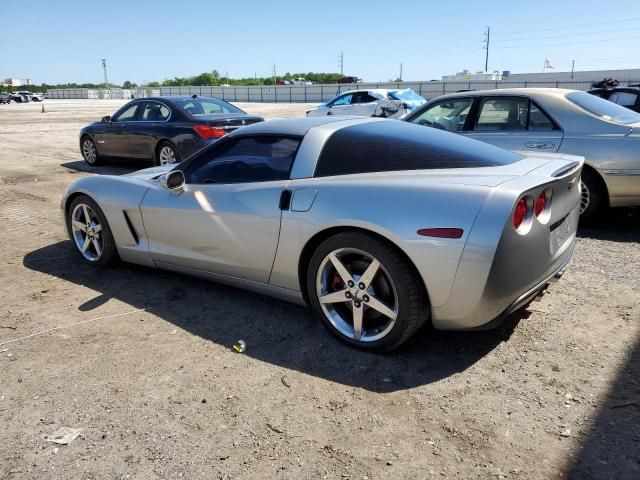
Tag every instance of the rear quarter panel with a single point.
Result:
(392, 208)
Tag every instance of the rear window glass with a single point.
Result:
(604, 109)
(203, 107)
(394, 145)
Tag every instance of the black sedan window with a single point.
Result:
(202, 107)
(245, 160)
(128, 114)
(155, 112)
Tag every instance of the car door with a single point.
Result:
(112, 140)
(149, 127)
(515, 123)
(340, 105)
(363, 104)
(227, 218)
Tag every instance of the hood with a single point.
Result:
(150, 173)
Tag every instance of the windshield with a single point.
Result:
(604, 109)
(203, 107)
(406, 94)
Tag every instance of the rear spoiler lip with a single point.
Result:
(567, 169)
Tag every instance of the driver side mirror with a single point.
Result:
(173, 181)
(106, 119)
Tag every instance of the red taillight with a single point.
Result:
(441, 232)
(540, 204)
(207, 132)
(520, 213)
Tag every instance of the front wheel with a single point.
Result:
(365, 292)
(90, 232)
(89, 151)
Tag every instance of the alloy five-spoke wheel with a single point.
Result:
(365, 291)
(357, 294)
(90, 232)
(87, 232)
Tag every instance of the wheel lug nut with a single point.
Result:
(365, 298)
(356, 304)
(347, 294)
(350, 283)
(361, 285)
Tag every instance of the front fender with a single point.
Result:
(119, 199)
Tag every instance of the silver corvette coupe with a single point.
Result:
(379, 226)
(552, 120)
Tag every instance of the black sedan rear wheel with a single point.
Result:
(166, 154)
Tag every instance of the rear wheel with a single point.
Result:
(365, 292)
(90, 232)
(592, 196)
(89, 151)
(166, 154)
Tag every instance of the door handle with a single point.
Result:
(329, 113)
(540, 145)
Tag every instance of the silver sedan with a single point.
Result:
(552, 120)
(379, 226)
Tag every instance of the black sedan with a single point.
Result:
(163, 130)
(628, 97)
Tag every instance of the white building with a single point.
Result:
(16, 82)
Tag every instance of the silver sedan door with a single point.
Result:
(227, 218)
(515, 123)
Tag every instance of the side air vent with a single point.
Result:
(134, 234)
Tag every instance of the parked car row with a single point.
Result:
(23, 96)
(371, 103)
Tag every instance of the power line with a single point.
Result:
(537, 37)
(565, 27)
(570, 43)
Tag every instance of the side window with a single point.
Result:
(245, 160)
(362, 97)
(127, 115)
(155, 112)
(343, 100)
(538, 120)
(499, 114)
(449, 115)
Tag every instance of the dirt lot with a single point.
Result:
(141, 360)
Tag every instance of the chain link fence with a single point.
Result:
(315, 93)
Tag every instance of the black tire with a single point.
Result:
(165, 144)
(84, 141)
(412, 303)
(109, 251)
(597, 197)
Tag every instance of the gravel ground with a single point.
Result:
(141, 360)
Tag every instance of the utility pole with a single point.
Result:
(487, 37)
(400, 77)
(573, 65)
(274, 74)
(341, 63)
(104, 66)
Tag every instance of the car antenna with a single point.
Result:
(194, 96)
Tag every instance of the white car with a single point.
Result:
(31, 97)
(301, 81)
(370, 103)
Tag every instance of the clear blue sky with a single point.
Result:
(64, 40)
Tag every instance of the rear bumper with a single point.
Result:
(526, 298)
